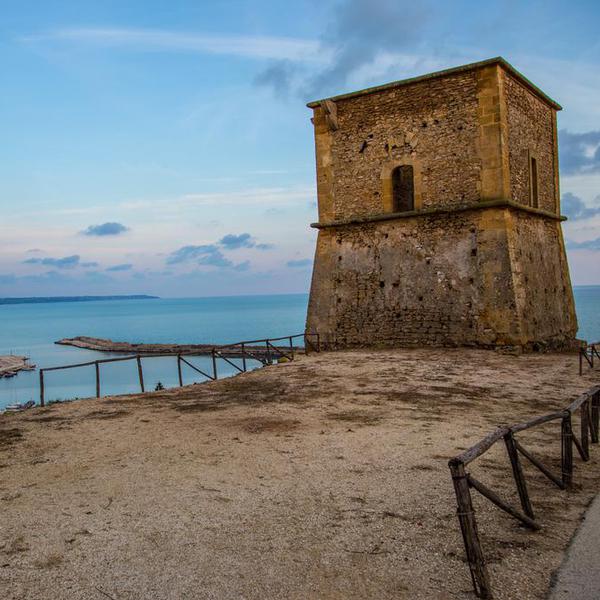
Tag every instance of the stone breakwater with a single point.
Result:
(104, 345)
(11, 365)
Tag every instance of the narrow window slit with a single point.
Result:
(533, 173)
(403, 188)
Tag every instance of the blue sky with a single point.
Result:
(165, 147)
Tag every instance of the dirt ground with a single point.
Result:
(326, 477)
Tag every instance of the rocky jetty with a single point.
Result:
(103, 345)
(10, 365)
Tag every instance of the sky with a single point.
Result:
(165, 147)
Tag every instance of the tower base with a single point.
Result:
(495, 275)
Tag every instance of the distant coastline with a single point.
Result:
(52, 299)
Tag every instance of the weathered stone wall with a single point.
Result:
(413, 281)
(465, 278)
(467, 267)
(530, 131)
(434, 121)
(543, 294)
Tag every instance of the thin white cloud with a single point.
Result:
(269, 172)
(250, 197)
(257, 196)
(256, 47)
(170, 205)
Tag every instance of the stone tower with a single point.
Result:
(439, 214)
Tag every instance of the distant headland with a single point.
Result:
(47, 299)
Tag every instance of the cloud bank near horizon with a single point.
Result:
(67, 262)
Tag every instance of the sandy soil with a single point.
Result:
(322, 478)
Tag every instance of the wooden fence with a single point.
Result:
(588, 406)
(587, 354)
(241, 350)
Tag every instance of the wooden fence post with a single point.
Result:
(468, 527)
(214, 362)
(585, 428)
(243, 357)
(97, 379)
(179, 370)
(567, 450)
(42, 387)
(269, 358)
(140, 372)
(517, 470)
(595, 420)
(291, 347)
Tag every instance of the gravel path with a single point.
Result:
(579, 576)
(322, 478)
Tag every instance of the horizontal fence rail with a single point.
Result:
(588, 354)
(226, 352)
(588, 407)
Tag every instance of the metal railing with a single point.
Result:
(587, 354)
(588, 404)
(241, 350)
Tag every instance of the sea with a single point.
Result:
(32, 329)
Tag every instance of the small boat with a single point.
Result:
(18, 407)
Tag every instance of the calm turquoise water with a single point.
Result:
(31, 329)
(587, 301)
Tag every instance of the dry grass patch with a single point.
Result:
(8, 437)
(54, 559)
(355, 416)
(15, 546)
(266, 425)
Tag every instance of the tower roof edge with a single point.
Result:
(498, 60)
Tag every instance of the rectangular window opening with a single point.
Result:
(403, 189)
(534, 182)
